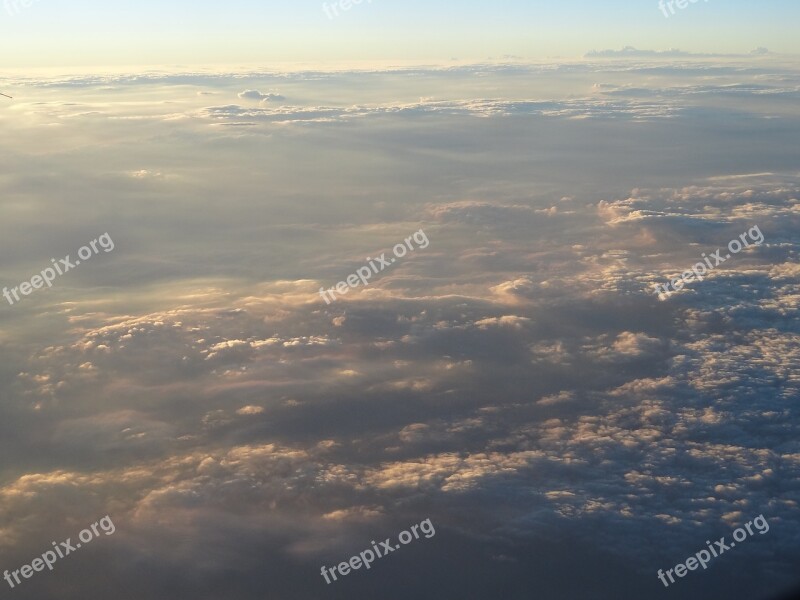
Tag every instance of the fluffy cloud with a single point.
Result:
(518, 381)
(256, 95)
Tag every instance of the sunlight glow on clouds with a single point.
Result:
(518, 381)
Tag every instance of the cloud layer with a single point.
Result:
(518, 381)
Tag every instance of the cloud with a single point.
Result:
(631, 52)
(518, 381)
(256, 95)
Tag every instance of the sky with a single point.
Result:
(509, 372)
(91, 33)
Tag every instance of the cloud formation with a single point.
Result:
(518, 382)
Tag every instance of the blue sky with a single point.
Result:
(58, 33)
